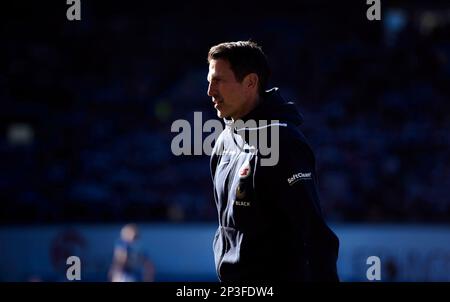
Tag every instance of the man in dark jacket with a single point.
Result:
(270, 223)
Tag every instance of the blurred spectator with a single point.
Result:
(130, 263)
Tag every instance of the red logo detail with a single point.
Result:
(244, 172)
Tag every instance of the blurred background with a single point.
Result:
(87, 106)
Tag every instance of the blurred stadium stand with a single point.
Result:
(87, 107)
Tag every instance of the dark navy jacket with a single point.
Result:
(270, 223)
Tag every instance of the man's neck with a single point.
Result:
(252, 104)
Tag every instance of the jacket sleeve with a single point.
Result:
(292, 188)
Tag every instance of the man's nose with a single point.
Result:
(210, 90)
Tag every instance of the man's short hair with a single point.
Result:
(245, 57)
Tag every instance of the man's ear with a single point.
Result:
(251, 81)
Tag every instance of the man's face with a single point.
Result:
(228, 95)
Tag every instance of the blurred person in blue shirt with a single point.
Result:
(130, 262)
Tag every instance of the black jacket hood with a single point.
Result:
(273, 106)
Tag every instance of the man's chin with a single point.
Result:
(221, 114)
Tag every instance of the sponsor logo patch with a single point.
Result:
(245, 170)
(240, 192)
(298, 176)
(242, 203)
